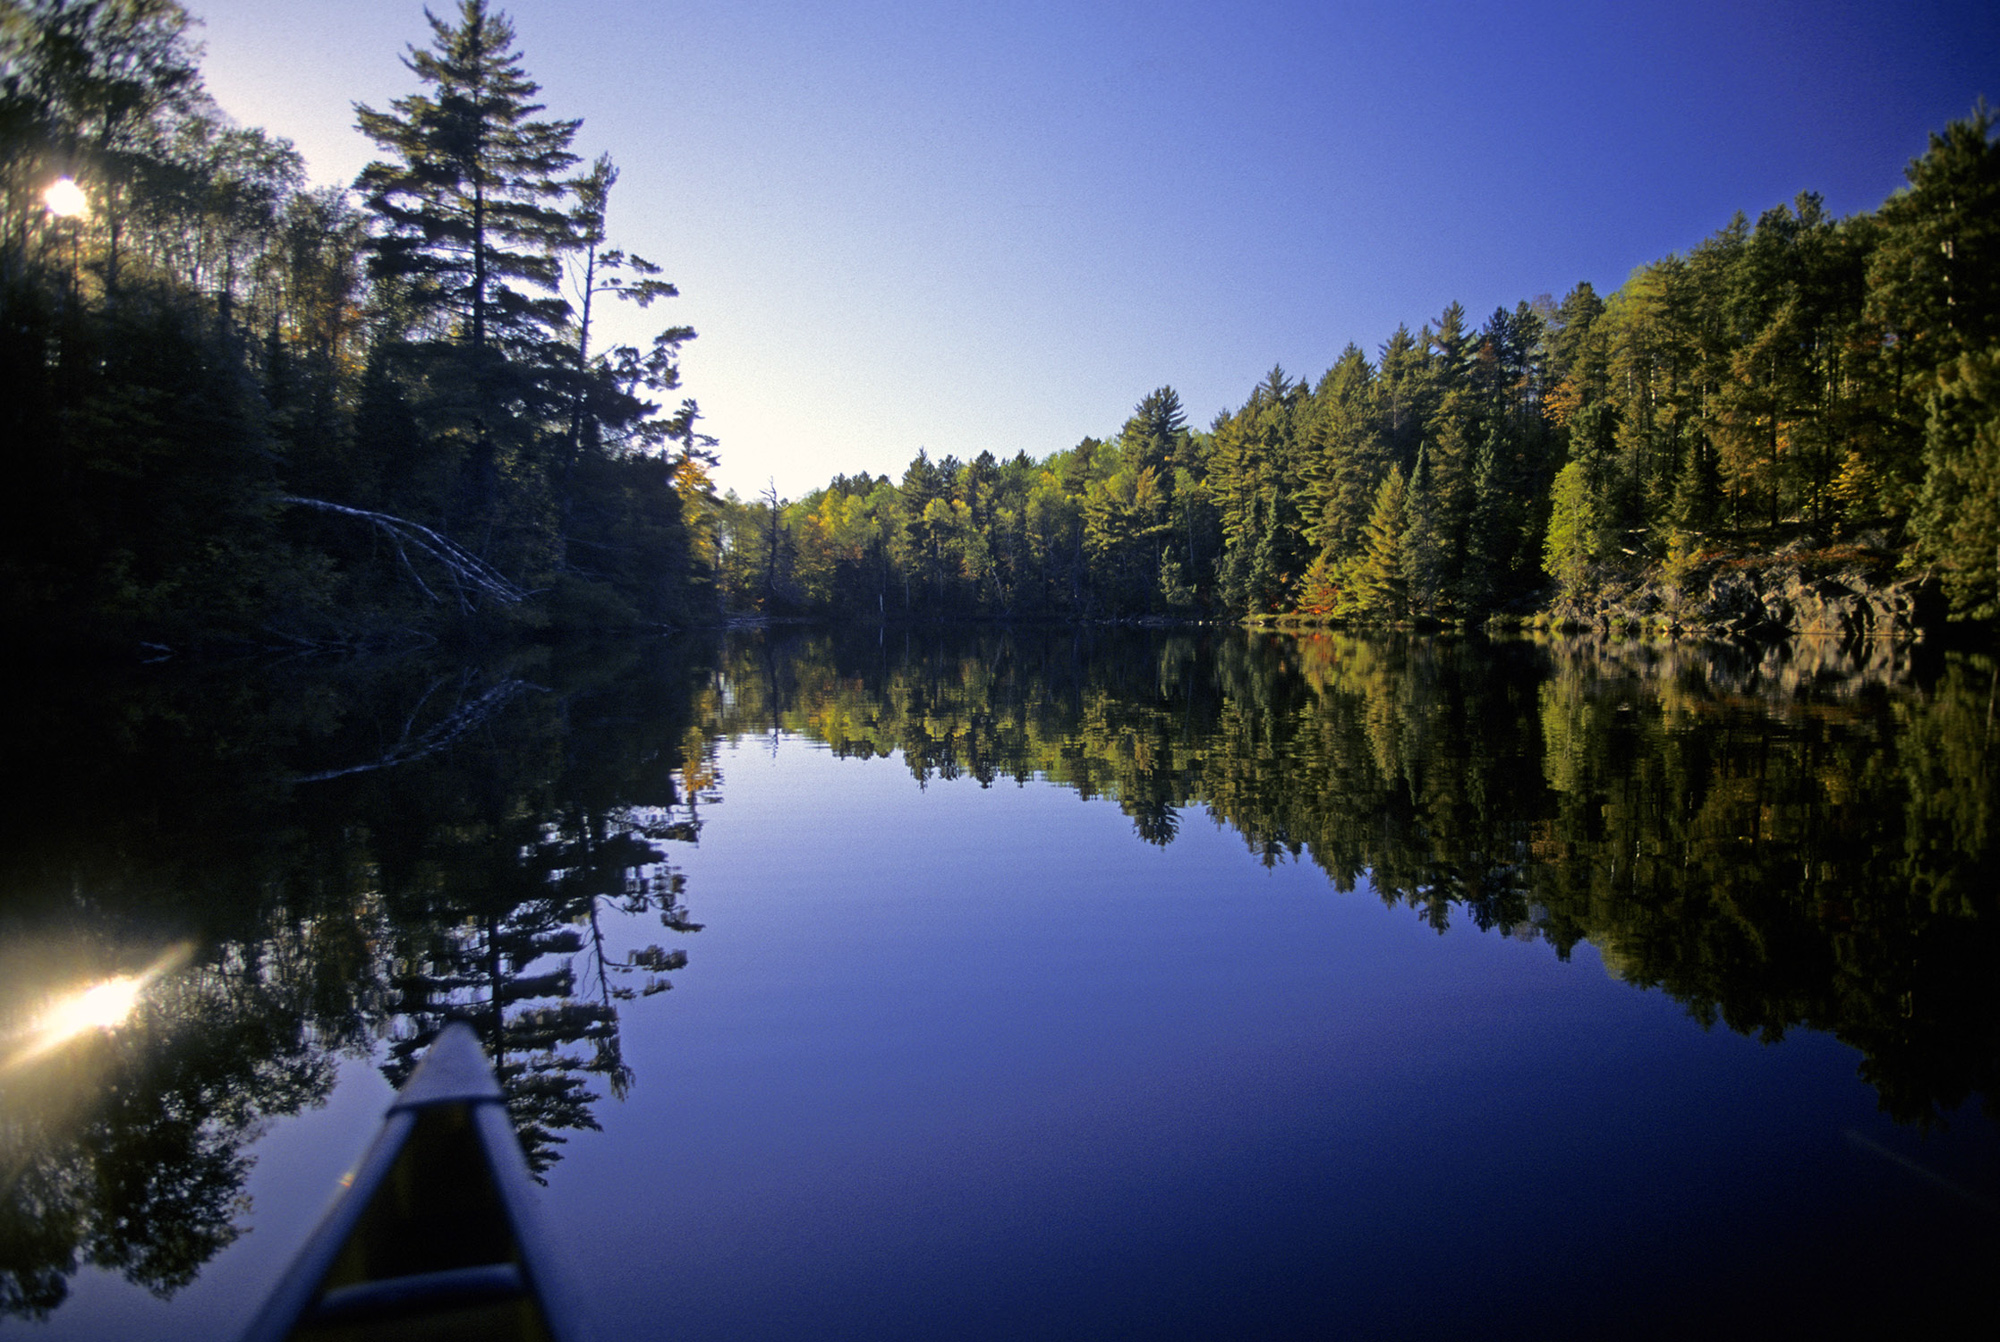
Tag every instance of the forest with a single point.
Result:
(1821, 384)
(249, 411)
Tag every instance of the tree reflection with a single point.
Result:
(122, 1147)
(358, 852)
(1796, 836)
(351, 852)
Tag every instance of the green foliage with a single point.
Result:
(470, 226)
(1958, 516)
(242, 399)
(431, 359)
(1574, 525)
(1776, 376)
(1381, 587)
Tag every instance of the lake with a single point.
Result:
(1036, 984)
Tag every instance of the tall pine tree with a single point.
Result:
(470, 227)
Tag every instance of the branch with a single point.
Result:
(469, 574)
(438, 737)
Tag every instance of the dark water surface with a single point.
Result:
(1037, 985)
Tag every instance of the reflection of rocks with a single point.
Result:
(1786, 671)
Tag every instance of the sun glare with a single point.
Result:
(97, 1008)
(65, 199)
(104, 1005)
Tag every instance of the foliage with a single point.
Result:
(239, 394)
(1573, 531)
(426, 350)
(1958, 517)
(1780, 375)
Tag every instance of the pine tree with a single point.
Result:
(470, 228)
(1934, 282)
(1427, 542)
(1400, 401)
(601, 270)
(1344, 455)
(1958, 516)
(469, 203)
(1379, 585)
(1933, 287)
(1573, 531)
(1153, 436)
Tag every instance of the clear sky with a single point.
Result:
(998, 226)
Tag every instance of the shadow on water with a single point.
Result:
(283, 867)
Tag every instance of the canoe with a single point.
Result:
(435, 1235)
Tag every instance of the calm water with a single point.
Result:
(1038, 985)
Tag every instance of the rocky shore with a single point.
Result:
(1845, 592)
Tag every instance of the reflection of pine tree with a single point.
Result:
(490, 970)
(510, 969)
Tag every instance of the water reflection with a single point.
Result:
(349, 855)
(100, 1004)
(1799, 836)
(343, 856)
(122, 1148)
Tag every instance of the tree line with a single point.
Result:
(1800, 376)
(250, 408)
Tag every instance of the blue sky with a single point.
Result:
(968, 227)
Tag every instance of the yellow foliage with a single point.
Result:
(1563, 401)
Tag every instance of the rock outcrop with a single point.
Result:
(1847, 594)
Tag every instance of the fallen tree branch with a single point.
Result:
(470, 575)
(460, 721)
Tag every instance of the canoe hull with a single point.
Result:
(436, 1236)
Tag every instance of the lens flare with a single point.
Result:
(99, 1008)
(104, 1005)
(65, 199)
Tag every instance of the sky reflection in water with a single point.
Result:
(945, 1059)
(1024, 1078)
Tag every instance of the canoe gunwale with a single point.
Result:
(454, 1073)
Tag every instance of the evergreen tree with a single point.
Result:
(596, 398)
(926, 508)
(470, 229)
(1490, 530)
(1380, 589)
(1401, 373)
(1573, 531)
(1153, 438)
(1254, 474)
(1933, 286)
(1958, 516)
(469, 202)
(1345, 456)
(1427, 541)
(1934, 280)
